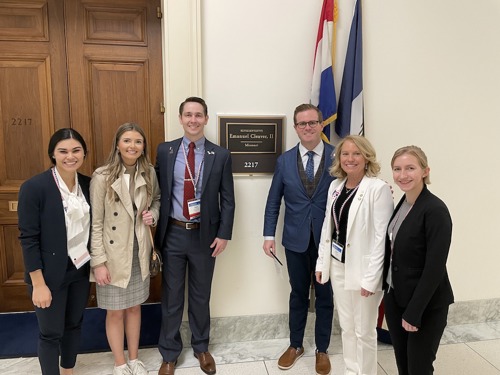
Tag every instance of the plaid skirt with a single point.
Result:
(112, 297)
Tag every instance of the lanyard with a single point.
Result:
(196, 178)
(335, 219)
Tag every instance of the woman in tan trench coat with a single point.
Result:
(126, 196)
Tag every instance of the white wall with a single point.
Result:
(431, 78)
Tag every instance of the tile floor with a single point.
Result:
(469, 349)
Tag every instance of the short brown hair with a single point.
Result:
(194, 99)
(306, 107)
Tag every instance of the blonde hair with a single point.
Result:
(372, 168)
(419, 155)
(113, 166)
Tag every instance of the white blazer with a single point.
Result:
(369, 215)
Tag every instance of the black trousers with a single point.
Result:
(415, 351)
(182, 253)
(61, 323)
(301, 267)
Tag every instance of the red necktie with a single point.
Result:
(189, 180)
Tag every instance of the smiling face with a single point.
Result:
(309, 136)
(193, 119)
(408, 174)
(68, 156)
(352, 161)
(130, 145)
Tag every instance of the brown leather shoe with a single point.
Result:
(289, 357)
(323, 366)
(167, 368)
(207, 363)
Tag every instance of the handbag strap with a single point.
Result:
(151, 237)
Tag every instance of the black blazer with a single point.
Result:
(421, 249)
(217, 191)
(42, 227)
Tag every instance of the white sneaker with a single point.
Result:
(138, 368)
(125, 370)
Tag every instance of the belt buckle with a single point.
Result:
(190, 226)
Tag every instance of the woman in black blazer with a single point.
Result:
(418, 291)
(54, 225)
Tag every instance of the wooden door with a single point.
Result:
(75, 63)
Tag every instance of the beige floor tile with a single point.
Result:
(459, 359)
(489, 350)
(453, 359)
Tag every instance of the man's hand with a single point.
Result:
(269, 247)
(219, 245)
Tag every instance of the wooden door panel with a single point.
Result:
(116, 26)
(118, 95)
(27, 117)
(13, 291)
(26, 21)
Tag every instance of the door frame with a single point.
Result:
(182, 65)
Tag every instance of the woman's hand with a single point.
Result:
(101, 274)
(366, 293)
(42, 297)
(147, 217)
(408, 327)
(318, 277)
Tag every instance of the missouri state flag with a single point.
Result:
(323, 86)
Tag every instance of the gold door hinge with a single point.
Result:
(162, 108)
(159, 14)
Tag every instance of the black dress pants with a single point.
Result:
(61, 323)
(415, 351)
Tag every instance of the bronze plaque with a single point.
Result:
(255, 142)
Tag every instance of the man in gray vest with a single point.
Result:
(301, 178)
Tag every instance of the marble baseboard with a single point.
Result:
(275, 326)
(477, 311)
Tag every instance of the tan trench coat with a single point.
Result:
(112, 235)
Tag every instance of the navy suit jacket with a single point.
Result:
(217, 191)
(302, 213)
(419, 258)
(42, 227)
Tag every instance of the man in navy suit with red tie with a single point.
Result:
(195, 225)
(301, 178)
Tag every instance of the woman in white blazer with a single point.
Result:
(352, 247)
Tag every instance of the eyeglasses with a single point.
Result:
(303, 124)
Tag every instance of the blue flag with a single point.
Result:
(350, 118)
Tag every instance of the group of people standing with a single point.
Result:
(342, 234)
(74, 230)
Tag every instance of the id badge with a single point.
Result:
(337, 250)
(194, 206)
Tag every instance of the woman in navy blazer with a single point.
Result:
(418, 291)
(54, 225)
